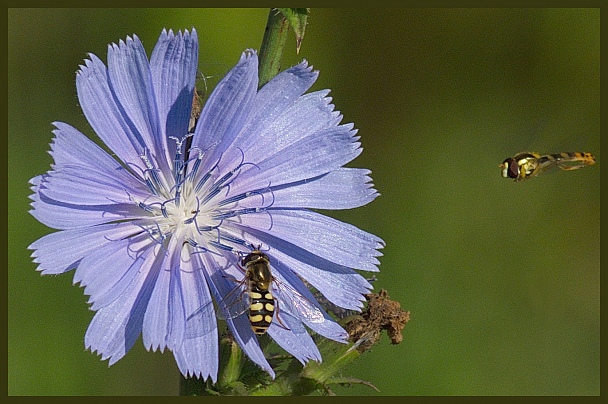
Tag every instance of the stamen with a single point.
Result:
(197, 164)
(201, 229)
(224, 182)
(198, 159)
(178, 166)
(195, 244)
(147, 208)
(200, 247)
(151, 186)
(238, 212)
(203, 180)
(237, 198)
(208, 228)
(152, 180)
(211, 194)
(234, 239)
(245, 195)
(220, 245)
(163, 208)
(152, 233)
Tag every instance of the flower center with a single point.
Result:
(195, 206)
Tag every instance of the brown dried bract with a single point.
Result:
(197, 107)
(381, 314)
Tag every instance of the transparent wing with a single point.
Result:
(565, 161)
(572, 164)
(198, 324)
(285, 320)
(297, 304)
(235, 303)
(550, 165)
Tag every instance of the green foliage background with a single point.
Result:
(502, 279)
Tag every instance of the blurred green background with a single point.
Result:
(502, 279)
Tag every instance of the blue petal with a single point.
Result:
(105, 116)
(108, 271)
(198, 357)
(227, 108)
(328, 238)
(74, 245)
(300, 345)
(156, 319)
(62, 215)
(273, 102)
(72, 147)
(197, 299)
(198, 353)
(284, 89)
(330, 330)
(81, 186)
(305, 117)
(115, 328)
(315, 155)
(131, 83)
(165, 320)
(173, 66)
(328, 327)
(344, 188)
(240, 327)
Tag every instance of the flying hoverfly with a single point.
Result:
(253, 294)
(527, 165)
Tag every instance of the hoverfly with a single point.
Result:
(253, 294)
(527, 165)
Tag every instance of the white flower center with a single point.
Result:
(194, 206)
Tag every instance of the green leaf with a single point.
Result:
(335, 358)
(275, 37)
(349, 380)
(297, 20)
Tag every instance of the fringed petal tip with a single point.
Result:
(169, 33)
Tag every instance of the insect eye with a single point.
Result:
(513, 167)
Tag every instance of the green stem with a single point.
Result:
(273, 44)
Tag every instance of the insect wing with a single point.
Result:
(566, 161)
(297, 304)
(201, 322)
(235, 303)
(549, 165)
(573, 164)
(289, 322)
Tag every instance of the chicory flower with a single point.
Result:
(157, 227)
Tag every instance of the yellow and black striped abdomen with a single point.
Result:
(261, 309)
(583, 158)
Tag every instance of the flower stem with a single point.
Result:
(273, 43)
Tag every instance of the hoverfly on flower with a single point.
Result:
(253, 294)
